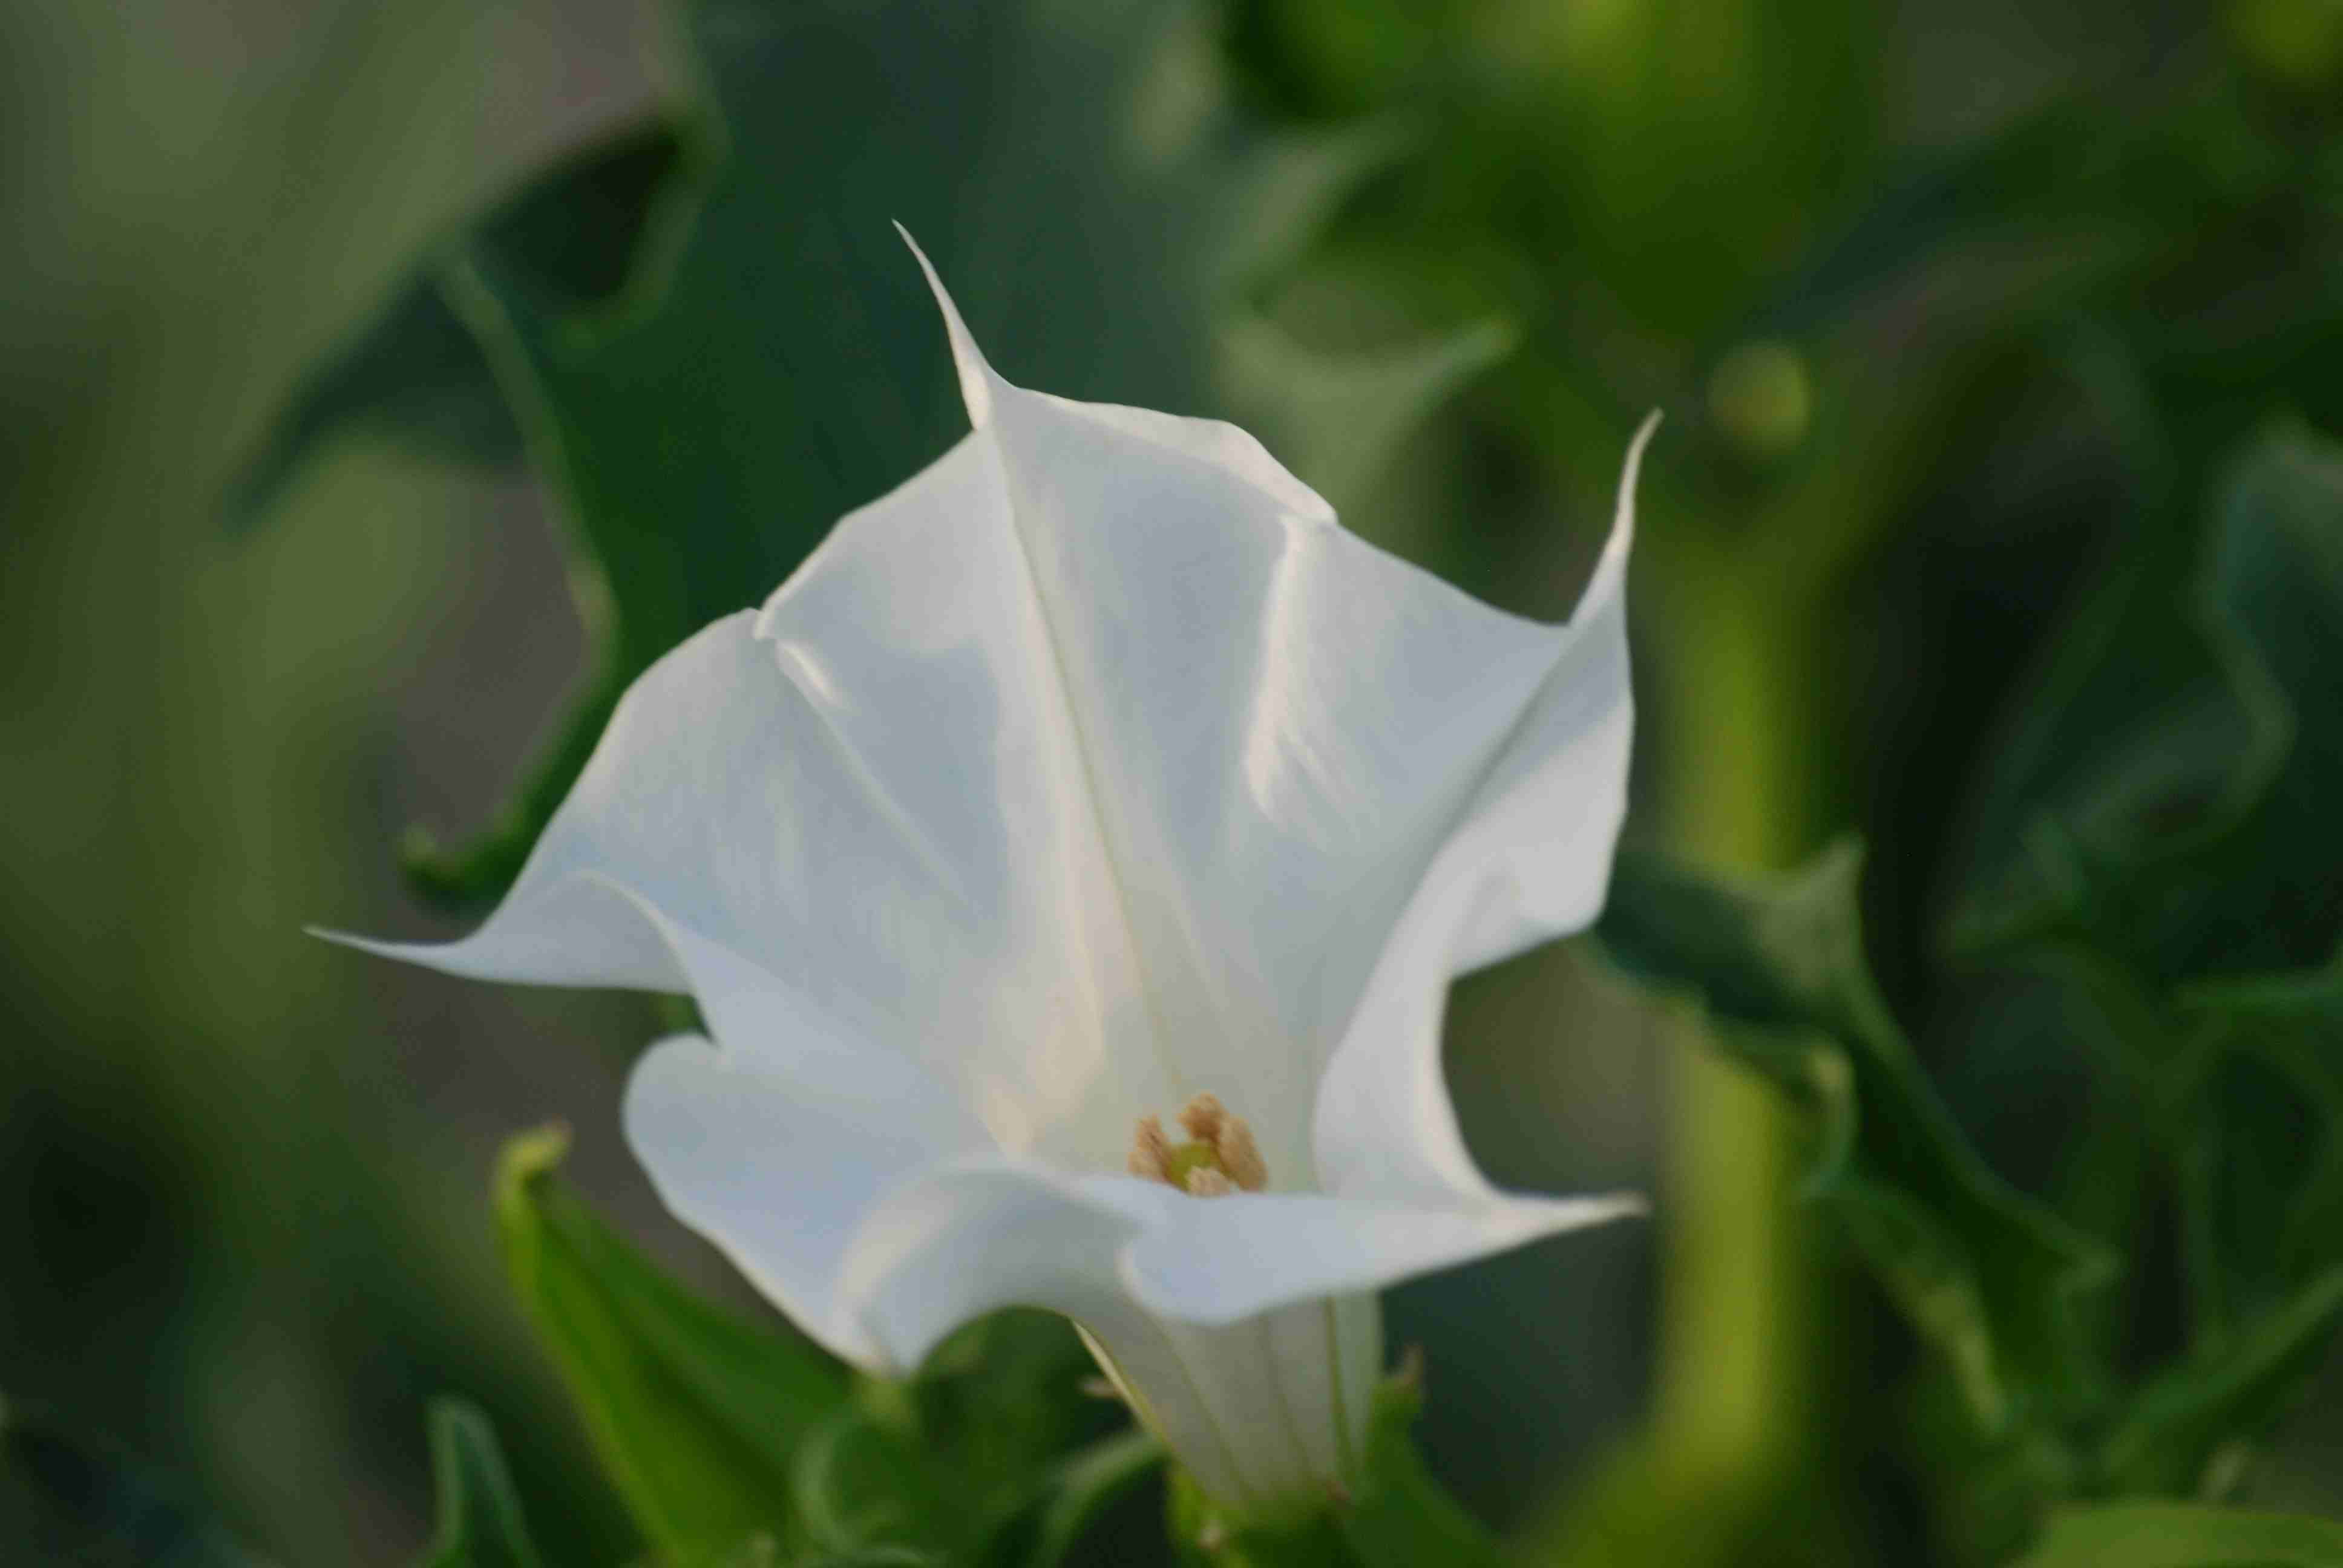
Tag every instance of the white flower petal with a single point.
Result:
(1261, 1410)
(1281, 724)
(863, 807)
(1226, 1258)
(1094, 768)
(778, 1174)
(960, 1239)
(1528, 858)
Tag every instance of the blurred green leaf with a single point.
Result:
(480, 1522)
(94, 1505)
(2177, 778)
(2159, 807)
(1336, 418)
(1096, 205)
(2185, 1535)
(2031, 213)
(2273, 1161)
(2179, 1421)
(415, 374)
(1989, 1278)
(697, 1417)
(761, 1553)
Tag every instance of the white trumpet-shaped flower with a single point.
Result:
(1094, 777)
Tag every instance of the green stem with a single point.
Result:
(1733, 1428)
(1733, 1365)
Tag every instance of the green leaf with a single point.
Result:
(2181, 1422)
(697, 1416)
(480, 1522)
(1395, 1517)
(1335, 419)
(94, 1505)
(2185, 1535)
(1083, 184)
(761, 1553)
(2275, 586)
(1987, 1276)
(2175, 774)
(2266, 1090)
(414, 373)
(725, 1441)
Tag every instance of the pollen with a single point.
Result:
(1219, 1156)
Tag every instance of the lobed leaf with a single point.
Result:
(2170, 788)
(1987, 1276)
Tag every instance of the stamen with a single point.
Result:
(1219, 1156)
(1239, 1157)
(1202, 1117)
(1151, 1156)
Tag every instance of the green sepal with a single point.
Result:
(1394, 1514)
(480, 1521)
(2185, 1535)
(991, 1454)
(90, 1502)
(1074, 1494)
(695, 1415)
(1987, 1276)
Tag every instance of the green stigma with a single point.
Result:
(1186, 1158)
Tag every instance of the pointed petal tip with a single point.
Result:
(346, 939)
(1631, 472)
(1611, 566)
(976, 377)
(410, 953)
(1602, 1206)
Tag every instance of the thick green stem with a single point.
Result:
(1735, 1371)
(1735, 1403)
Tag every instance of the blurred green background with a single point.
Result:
(1953, 307)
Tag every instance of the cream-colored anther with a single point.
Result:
(1209, 1121)
(1219, 1156)
(1204, 1181)
(1150, 1152)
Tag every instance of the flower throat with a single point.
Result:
(1218, 1156)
